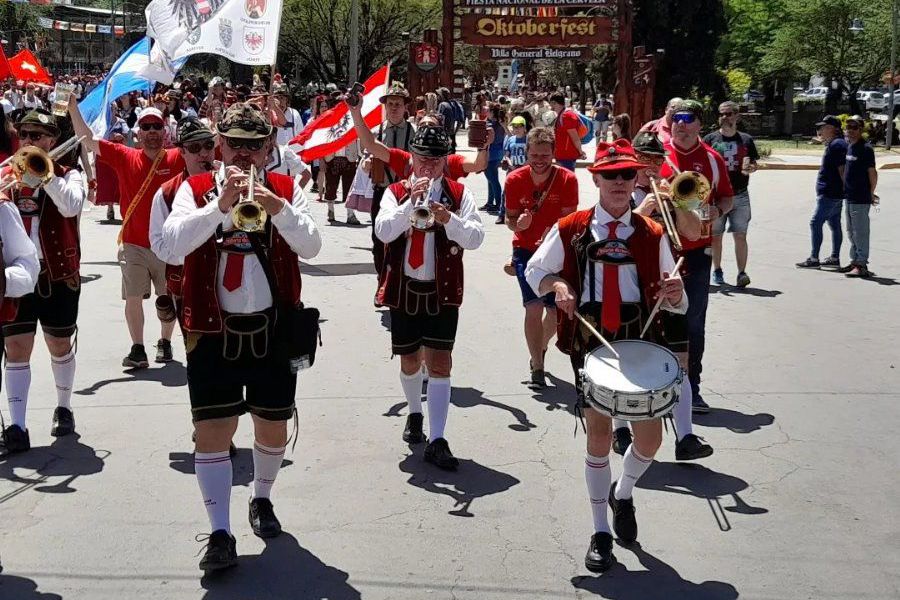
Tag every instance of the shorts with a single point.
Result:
(421, 321)
(140, 266)
(54, 304)
(738, 217)
(520, 257)
(216, 383)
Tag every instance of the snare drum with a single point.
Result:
(644, 383)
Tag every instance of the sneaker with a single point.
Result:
(621, 440)
(110, 213)
(538, 379)
(501, 219)
(718, 277)
(412, 433)
(16, 440)
(484, 207)
(699, 405)
(846, 268)
(624, 523)
(221, 552)
(832, 261)
(438, 453)
(809, 263)
(599, 557)
(314, 189)
(352, 220)
(137, 358)
(331, 218)
(63, 422)
(743, 280)
(164, 351)
(263, 520)
(860, 271)
(692, 447)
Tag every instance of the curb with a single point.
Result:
(787, 167)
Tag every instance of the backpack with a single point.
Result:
(586, 130)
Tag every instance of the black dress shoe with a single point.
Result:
(691, 448)
(621, 440)
(262, 518)
(16, 440)
(599, 557)
(624, 523)
(221, 552)
(137, 358)
(438, 453)
(63, 422)
(413, 433)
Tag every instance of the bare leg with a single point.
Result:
(741, 251)
(134, 317)
(717, 251)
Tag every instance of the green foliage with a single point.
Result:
(739, 82)
(752, 25)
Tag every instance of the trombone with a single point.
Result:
(33, 167)
(668, 216)
(249, 215)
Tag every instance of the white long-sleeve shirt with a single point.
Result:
(67, 193)
(285, 161)
(549, 258)
(161, 247)
(464, 227)
(188, 227)
(19, 253)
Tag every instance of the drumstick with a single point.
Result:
(596, 334)
(659, 302)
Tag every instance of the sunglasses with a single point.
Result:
(685, 118)
(32, 135)
(251, 145)
(626, 174)
(195, 147)
(151, 126)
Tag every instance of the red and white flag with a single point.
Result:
(333, 129)
(26, 67)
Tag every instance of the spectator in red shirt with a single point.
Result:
(537, 196)
(568, 142)
(662, 126)
(688, 153)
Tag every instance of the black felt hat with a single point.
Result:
(430, 141)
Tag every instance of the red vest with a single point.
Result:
(200, 311)
(173, 272)
(575, 236)
(448, 264)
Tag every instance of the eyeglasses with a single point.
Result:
(153, 126)
(626, 174)
(32, 135)
(195, 147)
(726, 114)
(251, 145)
(685, 118)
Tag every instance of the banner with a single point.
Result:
(487, 53)
(26, 67)
(85, 27)
(45, 22)
(499, 30)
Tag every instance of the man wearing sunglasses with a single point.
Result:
(229, 302)
(688, 153)
(50, 216)
(141, 172)
(860, 179)
(610, 265)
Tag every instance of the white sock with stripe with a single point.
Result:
(17, 381)
(681, 414)
(214, 476)
(64, 375)
(438, 406)
(266, 463)
(598, 476)
(633, 467)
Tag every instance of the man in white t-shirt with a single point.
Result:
(292, 124)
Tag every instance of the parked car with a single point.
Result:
(814, 93)
(874, 101)
(754, 96)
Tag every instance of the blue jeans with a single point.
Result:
(858, 231)
(697, 265)
(828, 210)
(495, 192)
(567, 164)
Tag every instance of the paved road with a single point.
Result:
(799, 500)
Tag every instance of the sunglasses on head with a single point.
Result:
(626, 174)
(685, 118)
(32, 135)
(195, 147)
(251, 145)
(153, 126)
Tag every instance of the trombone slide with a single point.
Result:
(667, 217)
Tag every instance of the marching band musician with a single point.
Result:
(50, 217)
(422, 282)
(636, 267)
(228, 312)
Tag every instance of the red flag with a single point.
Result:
(333, 129)
(4, 66)
(26, 67)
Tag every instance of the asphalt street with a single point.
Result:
(799, 500)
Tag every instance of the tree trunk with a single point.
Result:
(788, 125)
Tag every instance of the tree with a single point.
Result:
(752, 25)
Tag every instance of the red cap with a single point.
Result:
(617, 156)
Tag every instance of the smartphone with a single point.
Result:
(354, 96)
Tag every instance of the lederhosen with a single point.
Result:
(378, 193)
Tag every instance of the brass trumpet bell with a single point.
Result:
(690, 190)
(422, 217)
(32, 167)
(249, 215)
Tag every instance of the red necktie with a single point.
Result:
(26, 221)
(416, 249)
(234, 271)
(610, 317)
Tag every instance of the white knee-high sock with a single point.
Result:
(438, 406)
(682, 411)
(620, 424)
(214, 476)
(266, 463)
(598, 476)
(633, 467)
(64, 376)
(412, 389)
(17, 381)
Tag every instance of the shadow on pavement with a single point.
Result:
(172, 374)
(733, 420)
(470, 398)
(727, 290)
(66, 457)
(283, 571)
(241, 465)
(338, 269)
(102, 263)
(659, 582)
(560, 396)
(90, 278)
(20, 588)
(470, 482)
(880, 280)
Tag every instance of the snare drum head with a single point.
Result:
(641, 367)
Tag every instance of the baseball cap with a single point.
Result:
(518, 121)
(829, 120)
(150, 113)
(856, 119)
(191, 129)
(244, 120)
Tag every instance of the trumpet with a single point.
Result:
(249, 215)
(422, 216)
(33, 167)
(668, 217)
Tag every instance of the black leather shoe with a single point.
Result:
(846, 268)
(438, 453)
(599, 557)
(699, 405)
(691, 448)
(164, 351)
(137, 358)
(621, 440)
(262, 518)
(221, 552)
(63, 422)
(624, 523)
(413, 433)
(16, 440)
(538, 379)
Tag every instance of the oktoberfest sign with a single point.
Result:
(505, 53)
(504, 30)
